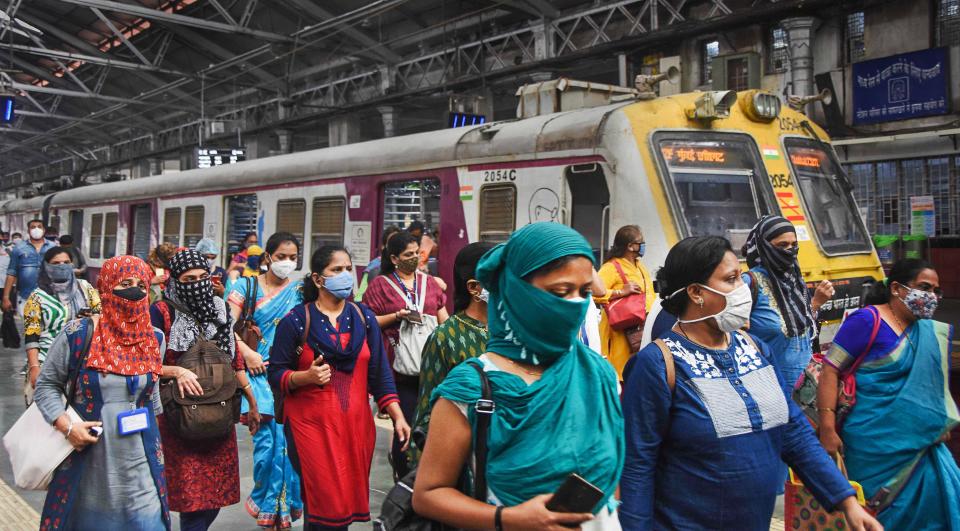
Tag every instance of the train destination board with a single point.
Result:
(210, 157)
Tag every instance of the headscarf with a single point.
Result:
(71, 289)
(789, 289)
(123, 342)
(207, 246)
(209, 310)
(254, 255)
(575, 400)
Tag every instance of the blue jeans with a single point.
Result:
(198, 520)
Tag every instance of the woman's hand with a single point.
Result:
(822, 294)
(631, 288)
(401, 314)
(187, 383)
(857, 517)
(253, 418)
(400, 426)
(319, 373)
(831, 441)
(254, 361)
(534, 515)
(32, 373)
(218, 289)
(80, 436)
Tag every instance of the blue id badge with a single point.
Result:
(133, 421)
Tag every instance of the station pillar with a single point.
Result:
(343, 130)
(800, 36)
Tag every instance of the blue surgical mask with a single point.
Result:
(643, 249)
(339, 285)
(59, 273)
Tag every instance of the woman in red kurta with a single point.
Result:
(325, 384)
(202, 476)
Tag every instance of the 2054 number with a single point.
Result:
(499, 176)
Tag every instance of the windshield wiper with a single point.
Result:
(841, 176)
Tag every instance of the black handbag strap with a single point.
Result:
(484, 409)
(250, 302)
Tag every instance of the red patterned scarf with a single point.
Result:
(124, 342)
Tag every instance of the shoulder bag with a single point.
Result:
(35, 447)
(805, 389)
(213, 414)
(246, 327)
(413, 336)
(629, 311)
(397, 514)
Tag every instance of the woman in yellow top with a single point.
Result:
(628, 247)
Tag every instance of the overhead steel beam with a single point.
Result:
(223, 12)
(99, 60)
(315, 11)
(183, 20)
(202, 43)
(90, 95)
(537, 8)
(119, 34)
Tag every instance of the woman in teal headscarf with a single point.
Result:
(557, 410)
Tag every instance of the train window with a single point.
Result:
(498, 212)
(827, 200)
(96, 235)
(291, 217)
(110, 235)
(327, 222)
(241, 219)
(76, 225)
(408, 201)
(718, 184)
(192, 225)
(171, 226)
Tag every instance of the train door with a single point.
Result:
(76, 226)
(139, 239)
(418, 200)
(240, 213)
(586, 205)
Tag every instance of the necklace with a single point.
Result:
(523, 369)
(726, 339)
(481, 329)
(903, 329)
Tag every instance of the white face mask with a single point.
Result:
(283, 268)
(484, 295)
(735, 315)
(36, 233)
(211, 263)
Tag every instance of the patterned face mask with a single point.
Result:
(921, 303)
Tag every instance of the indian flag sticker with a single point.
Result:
(466, 193)
(771, 153)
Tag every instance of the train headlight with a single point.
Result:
(760, 106)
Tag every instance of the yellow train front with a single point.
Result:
(716, 161)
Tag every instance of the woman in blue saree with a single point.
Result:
(275, 500)
(893, 438)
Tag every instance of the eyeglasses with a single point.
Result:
(923, 286)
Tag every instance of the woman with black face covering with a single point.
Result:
(202, 476)
(59, 297)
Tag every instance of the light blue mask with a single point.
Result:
(643, 249)
(339, 285)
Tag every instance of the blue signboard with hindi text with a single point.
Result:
(902, 86)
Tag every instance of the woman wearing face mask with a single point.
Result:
(893, 438)
(59, 298)
(706, 412)
(275, 500)
(623, 275)
(114, 480)
(218, 275)
(329, 428)
(393, 296)
(545, 385)
(202, 476)
(783, 314)
(461, 337)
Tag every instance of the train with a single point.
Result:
(689, 164)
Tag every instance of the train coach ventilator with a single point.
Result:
(713, 105)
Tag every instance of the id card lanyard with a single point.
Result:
(135, 419)
(411, 297)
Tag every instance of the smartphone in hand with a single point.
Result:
(414, 317)
(575, 495)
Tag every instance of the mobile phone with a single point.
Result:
(575, 495)
(414, 317)
(96, 431)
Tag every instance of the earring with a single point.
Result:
(700, 302)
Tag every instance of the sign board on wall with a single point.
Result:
(923, 219)
(359, 239)
(898, 87)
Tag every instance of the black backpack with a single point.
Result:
(214, 414)
(397, 512)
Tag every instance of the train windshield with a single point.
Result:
(828, 203)
(718, 182)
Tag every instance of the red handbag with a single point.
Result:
(626, 312)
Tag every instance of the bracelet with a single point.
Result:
(498, 518)
(32, 366)
(830, 409)
(248, 386)
(69, 429)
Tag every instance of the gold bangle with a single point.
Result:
(248, 386)
(830, 409)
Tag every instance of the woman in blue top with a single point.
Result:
(704, 452)
(783, 314)
(275, 500)
(894, 436)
